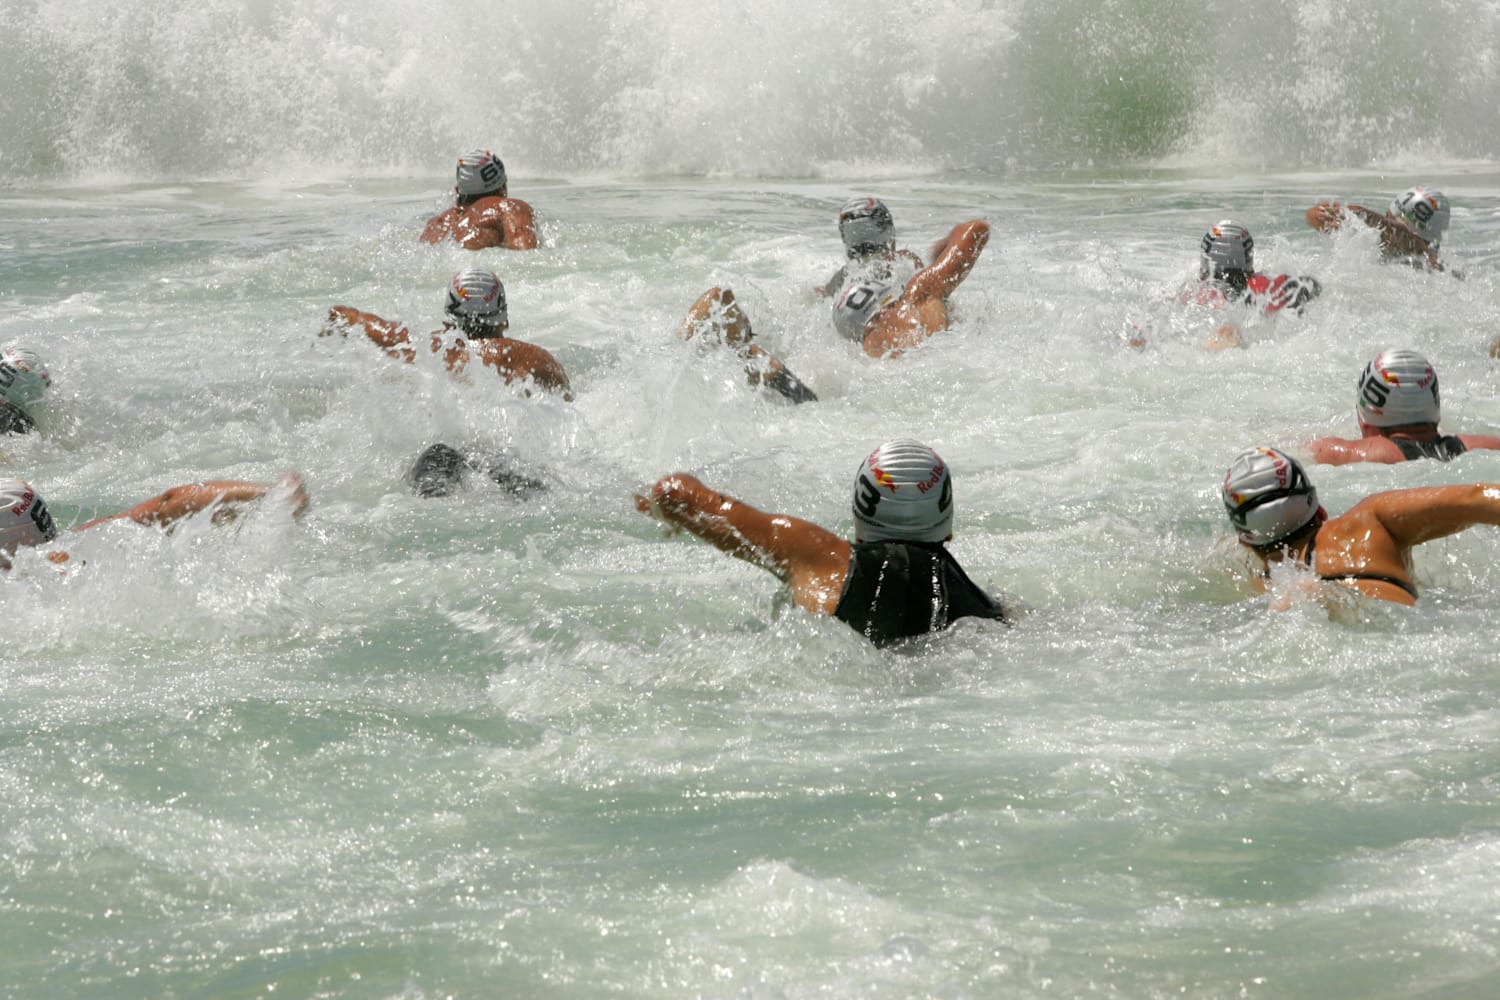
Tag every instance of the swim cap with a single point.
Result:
(866, 227)
(24, 519)
(1424, 212)
(857, 304)
(1397, 387)
(438, 471)
(903, 492)
(23, 377)
(1268, 497)
(476, 299)
(1227, 246)
(480, 172)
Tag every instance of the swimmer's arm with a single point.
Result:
(960, 251)
(1480, 441)
(519, 359)
(795, 551)
(1395, 238)
(1421, 515)
(342, 319)
(1328, 216)
(764, 368)
(1341, 451)
(192, 498)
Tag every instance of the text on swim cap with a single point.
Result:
(867, 498)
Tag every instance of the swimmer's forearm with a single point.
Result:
(1423, 514)
(719, 519)
(342, 319)
(183, 501)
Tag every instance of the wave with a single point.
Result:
(174, 90)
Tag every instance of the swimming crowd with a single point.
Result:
(896, 579)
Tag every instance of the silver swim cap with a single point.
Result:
(24, 519)
(1268, 497)
(480, 172)
(865, 225)
(23, 377)
(476, 299)
(858, 303)
(1227, 246)
(1397, 387)
(1424, 212)
(903, 491)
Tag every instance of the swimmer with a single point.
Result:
(1396, 404)
(25, 520)
(1227, 276)
(1275, 512)
(23, 386)
(869, 236)
(441, 471)
(1410, 230)
(896, 581)
(886, 318)
(483, 215)
(719, 319)
(478, 318)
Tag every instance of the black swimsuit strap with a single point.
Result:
(1312, 544)
(1307, 559)
(1377, 578)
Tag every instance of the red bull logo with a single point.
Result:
(1391, 378)
(23, 505)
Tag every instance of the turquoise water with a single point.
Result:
(481, 747)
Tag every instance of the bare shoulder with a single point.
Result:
(513, 351)
(519, 359)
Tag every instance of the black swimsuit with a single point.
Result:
(1443, 449)
(896, 590)
(13, 419)
(1307, 558)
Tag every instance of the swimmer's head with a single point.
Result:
(24, 519)
(1268, 497)
(903, 492)
(476, 301)
(479, 173)
(1228, 253)
(1397, 387)
(23, 377)
(1424, 212)
(866, 227)
(438, 471)
(859, 302)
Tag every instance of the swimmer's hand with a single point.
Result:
(231, 495)
(340, 319)
(1326, 216)
(1225, 338)
(295, 490)
(652, 507)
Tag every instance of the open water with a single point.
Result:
(481, 747)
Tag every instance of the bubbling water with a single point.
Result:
(296, 88)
